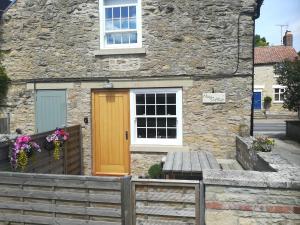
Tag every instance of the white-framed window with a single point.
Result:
(156, 116)
(120, 24)
(278, 93)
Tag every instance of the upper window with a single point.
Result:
(120, 24)
(278, 94)
(156, 116)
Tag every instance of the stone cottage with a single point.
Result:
(265, 81)
(142, 77)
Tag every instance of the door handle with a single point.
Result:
(126, 135)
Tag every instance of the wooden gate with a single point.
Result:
(166, 202)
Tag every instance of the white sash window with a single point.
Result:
(156, 116)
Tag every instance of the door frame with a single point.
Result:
(93, 92)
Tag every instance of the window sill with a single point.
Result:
(157, 148)
(121, 51)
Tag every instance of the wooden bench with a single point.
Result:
(189, 164)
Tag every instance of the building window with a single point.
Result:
(156, 116)
(278, 94)
(120, 24)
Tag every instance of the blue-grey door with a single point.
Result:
(257, 100)
(51, 109)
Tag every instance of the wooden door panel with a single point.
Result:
(110, 122)
(51, 109)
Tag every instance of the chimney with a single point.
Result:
(288, 38)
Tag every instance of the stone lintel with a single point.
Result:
(115, 84)
(41, 86)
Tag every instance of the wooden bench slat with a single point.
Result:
(186, 162)
(169, 161)
(212, 161)
(177, 164)
(203, 160)
(196, 166)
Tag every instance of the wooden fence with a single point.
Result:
(70, 161)
(74, 200)
(167, 202)
(65, 200)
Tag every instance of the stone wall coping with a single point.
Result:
(252, 179)
(121, 51)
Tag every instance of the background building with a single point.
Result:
(265, 81)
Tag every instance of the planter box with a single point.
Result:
(248, 158)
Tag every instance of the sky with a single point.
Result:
(279, 12)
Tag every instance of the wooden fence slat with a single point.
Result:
(42, 220)
(162, 211)
(68, 196)
(165, 197)
(92, 211)
(161, 222)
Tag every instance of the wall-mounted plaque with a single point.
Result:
(214, 98)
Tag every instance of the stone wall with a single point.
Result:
(207, 43)
(251, 206)
(46, 39)
(252, 197)
(213, 127)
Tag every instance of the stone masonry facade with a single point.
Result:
(206, 43)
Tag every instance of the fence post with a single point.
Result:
(126, 207)
(65, 159)
(202, 202)
(81, 149)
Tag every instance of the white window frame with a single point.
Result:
(138, 26)
(278, 87)
(155, 141)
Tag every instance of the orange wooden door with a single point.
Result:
(110, 132)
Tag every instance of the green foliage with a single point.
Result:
(155, 171)
(260, 42)
(4, 81)
(263, 144)
(289, 76)
(267, 102)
